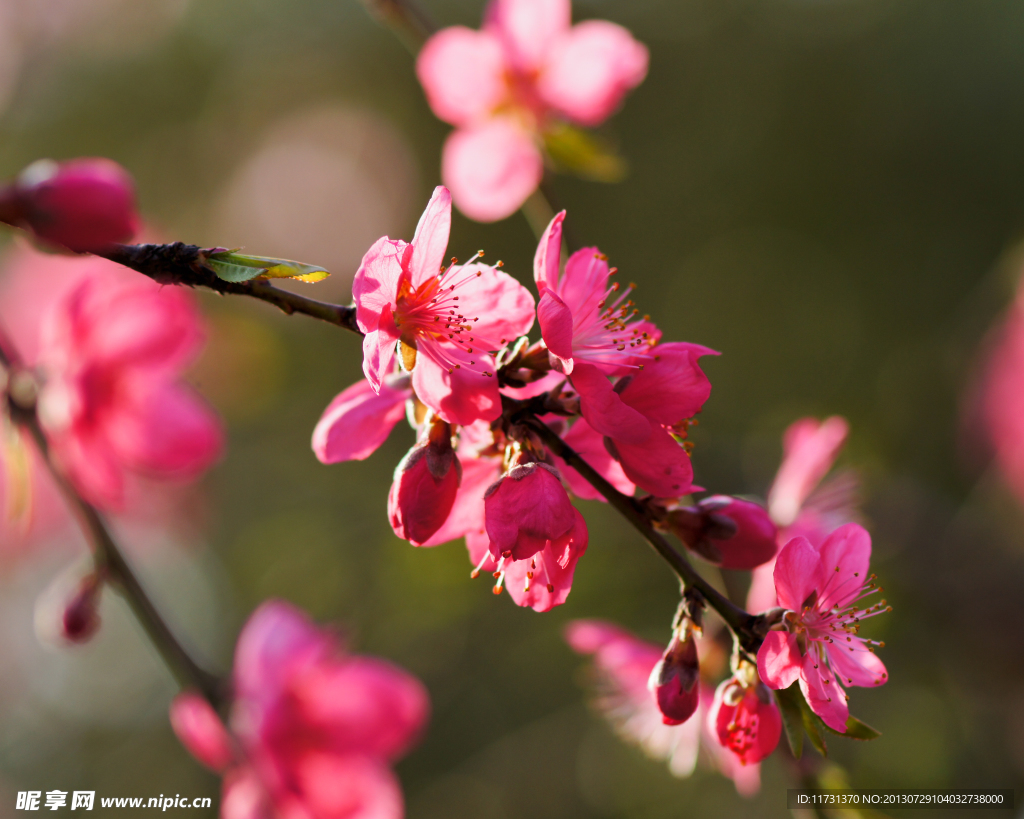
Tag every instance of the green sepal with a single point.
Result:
(237, 267)
(581, 153)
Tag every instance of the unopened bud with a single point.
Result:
(426, 482)
(67, 613)
(84, 205)
(726, 531)
(675, 680)
(525, 510)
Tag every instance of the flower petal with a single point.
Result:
(376, 281)
(585, 282)
(461, 396)
(778, 660)
(659, 465)
(354, 786)
(604, 409)
(467, 513)
(463, 74)
(796, 573)
(855, 664)
(431, 238)
(825, 697)
(555, 322)
(671, 386)
(491, 169)
(358, 421)
(379, 348)
(810, 448)
(200, 730)
(500, 309)
(845, 556)
(528, 28)
(547, 259)
(589, 445)
(553, 566)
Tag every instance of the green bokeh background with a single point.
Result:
(829, 192)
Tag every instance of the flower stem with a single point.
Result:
(106, 552)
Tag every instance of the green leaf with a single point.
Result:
(813, 726)
(855, 729)
(237, 267)
(791, 718)
(580, 152)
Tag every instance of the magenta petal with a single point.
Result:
(589, 445)
(491, 169)
(604, 409)
(431, 238)
(659, 465)
(456, 95)
(341, 786)
(553, 568)
(548, 257)
(556, 326)
(796, 573)
(467, 514)
(585, 282)
(778, 660)
(855, 664)
(376, 281)
(528, 28)
(527, 508)
(200, 730)
(589, 70)
(462, 396)
(844, 556)
(825, 697)
(358, 421)
(671, 386)
(499, 308)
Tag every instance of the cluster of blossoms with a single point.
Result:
(531, 74)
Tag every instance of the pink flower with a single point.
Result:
(316, 729)
(526, 509)
(821, 648)
(624, 664)
(359, 419)
(112, 402)
(425, 486)
(83, 205)
(504, 87)
(745, 720)
(446, 321)
(796, 504)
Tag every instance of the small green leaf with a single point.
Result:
(584, 154)
(791, 718)
(855, 729)
(813, 726)
(237, 267)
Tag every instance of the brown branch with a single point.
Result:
(178, 263)
(107, 553)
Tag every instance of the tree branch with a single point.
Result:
(107, 554)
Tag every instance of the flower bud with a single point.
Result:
(525, 509)
(67, 613)
(675, 680)
(728, 532)
(745, 719)
(426, 482)
(83, 205)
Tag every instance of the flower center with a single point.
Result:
(607, 330)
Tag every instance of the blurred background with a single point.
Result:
(829, 192)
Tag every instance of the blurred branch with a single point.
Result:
(178, 263)
(107, 555)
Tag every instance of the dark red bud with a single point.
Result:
(426, 482)
(734, 533)
(675, 680)
(68, 611)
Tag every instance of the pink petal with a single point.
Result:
(547, 259)
(503, 307)
(671, 386)
(589, 445)
(585, 282)
(810, 448)
(761, 595)
(467, 513)
(360, 705)
(659, 465)
(431, 239)
(200, 730)
(344, 786)
(528, 28)
(796, 573)
(825, 698)
(92, 467)
(844, 557)
(463, 74)
(546, 383)
(556, 326)
(554, 565)
(419, 500)
(604, 409)
(375, 285)
(854, 664)
(358, 421)
(590, 68)
(462, 396)
(379, 348)
(778, 660)
(491, 169)
(525, 510)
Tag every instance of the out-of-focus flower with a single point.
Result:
(820, 587)
(515, 82)
(624, 664)
(111, 401)
(84, 205)
(445, 320)
(317, 729)
(426, 483)
(798, 502)
(745, 719)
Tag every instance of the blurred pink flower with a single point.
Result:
(317, 729)
(819, 586)
(746, 720)
(624, 664)
(445, 320)
(798, 502)
(504, 86)
(83, 205)
(111, 401)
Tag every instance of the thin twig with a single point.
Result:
(108, 554)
